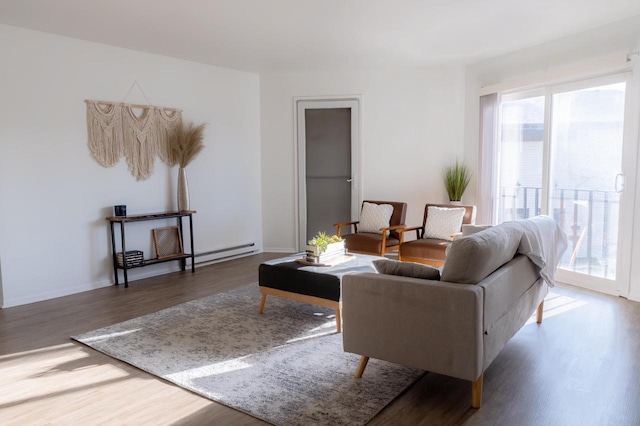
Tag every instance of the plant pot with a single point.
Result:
(455, 203)
(331, 248)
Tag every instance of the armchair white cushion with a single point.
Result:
(443, 222)
(374, 217)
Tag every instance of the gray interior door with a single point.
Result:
(328, 165)
(328, 168)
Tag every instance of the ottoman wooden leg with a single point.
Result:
(262, 302)
(339, 318)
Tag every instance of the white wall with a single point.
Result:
(601, 49)
(53, 236)
(412, 127)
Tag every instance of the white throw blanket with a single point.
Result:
(544, 242)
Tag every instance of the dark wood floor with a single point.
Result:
(580, 366)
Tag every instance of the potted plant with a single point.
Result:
(323, 247)
(456, 179)
(322, 243)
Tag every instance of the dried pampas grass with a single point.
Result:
(185, 144)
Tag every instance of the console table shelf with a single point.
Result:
(122, 220)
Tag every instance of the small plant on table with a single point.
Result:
(322, 241)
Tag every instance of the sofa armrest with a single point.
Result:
(504, 287)
(431, 325)
(512, 294)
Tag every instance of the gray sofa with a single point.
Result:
(457, 323)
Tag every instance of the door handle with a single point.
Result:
(618, 176)
(350, 180)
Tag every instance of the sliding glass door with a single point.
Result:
(561, 154)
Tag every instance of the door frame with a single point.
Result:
(300, 105)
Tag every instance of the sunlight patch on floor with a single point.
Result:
(325, 326)
(109, 336)
(312, 336)
(213, 369)
(556, 304)
(68, 384)
(51, 373)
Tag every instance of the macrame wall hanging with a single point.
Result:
(115, 130)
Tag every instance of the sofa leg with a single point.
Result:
(363, 364)
(539, 312)
(476, 392)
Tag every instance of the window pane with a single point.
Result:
(586, 140)
(520, 170)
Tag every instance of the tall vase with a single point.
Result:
(183, 190)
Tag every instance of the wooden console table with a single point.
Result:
(144, 217)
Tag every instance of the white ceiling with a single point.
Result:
(267, 36)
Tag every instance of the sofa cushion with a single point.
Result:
(442, 222)
(471, 259)
(373, 217)
(406, 269)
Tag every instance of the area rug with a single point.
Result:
(286, 366)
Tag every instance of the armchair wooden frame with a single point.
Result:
(441, 245)
(384, 232)
(392, 230)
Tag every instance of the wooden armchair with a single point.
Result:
(372, 242)
(430, 251)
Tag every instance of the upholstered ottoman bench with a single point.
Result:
(319, 285)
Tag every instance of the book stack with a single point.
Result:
(333, 252)
(133, 258)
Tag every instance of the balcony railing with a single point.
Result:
(589, 218)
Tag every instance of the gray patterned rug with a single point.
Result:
(286, 367)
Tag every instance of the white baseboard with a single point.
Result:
(279, 250)
(33, 298)
(133, 275)
(139, 274)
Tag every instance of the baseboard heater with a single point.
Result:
(225, 253)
